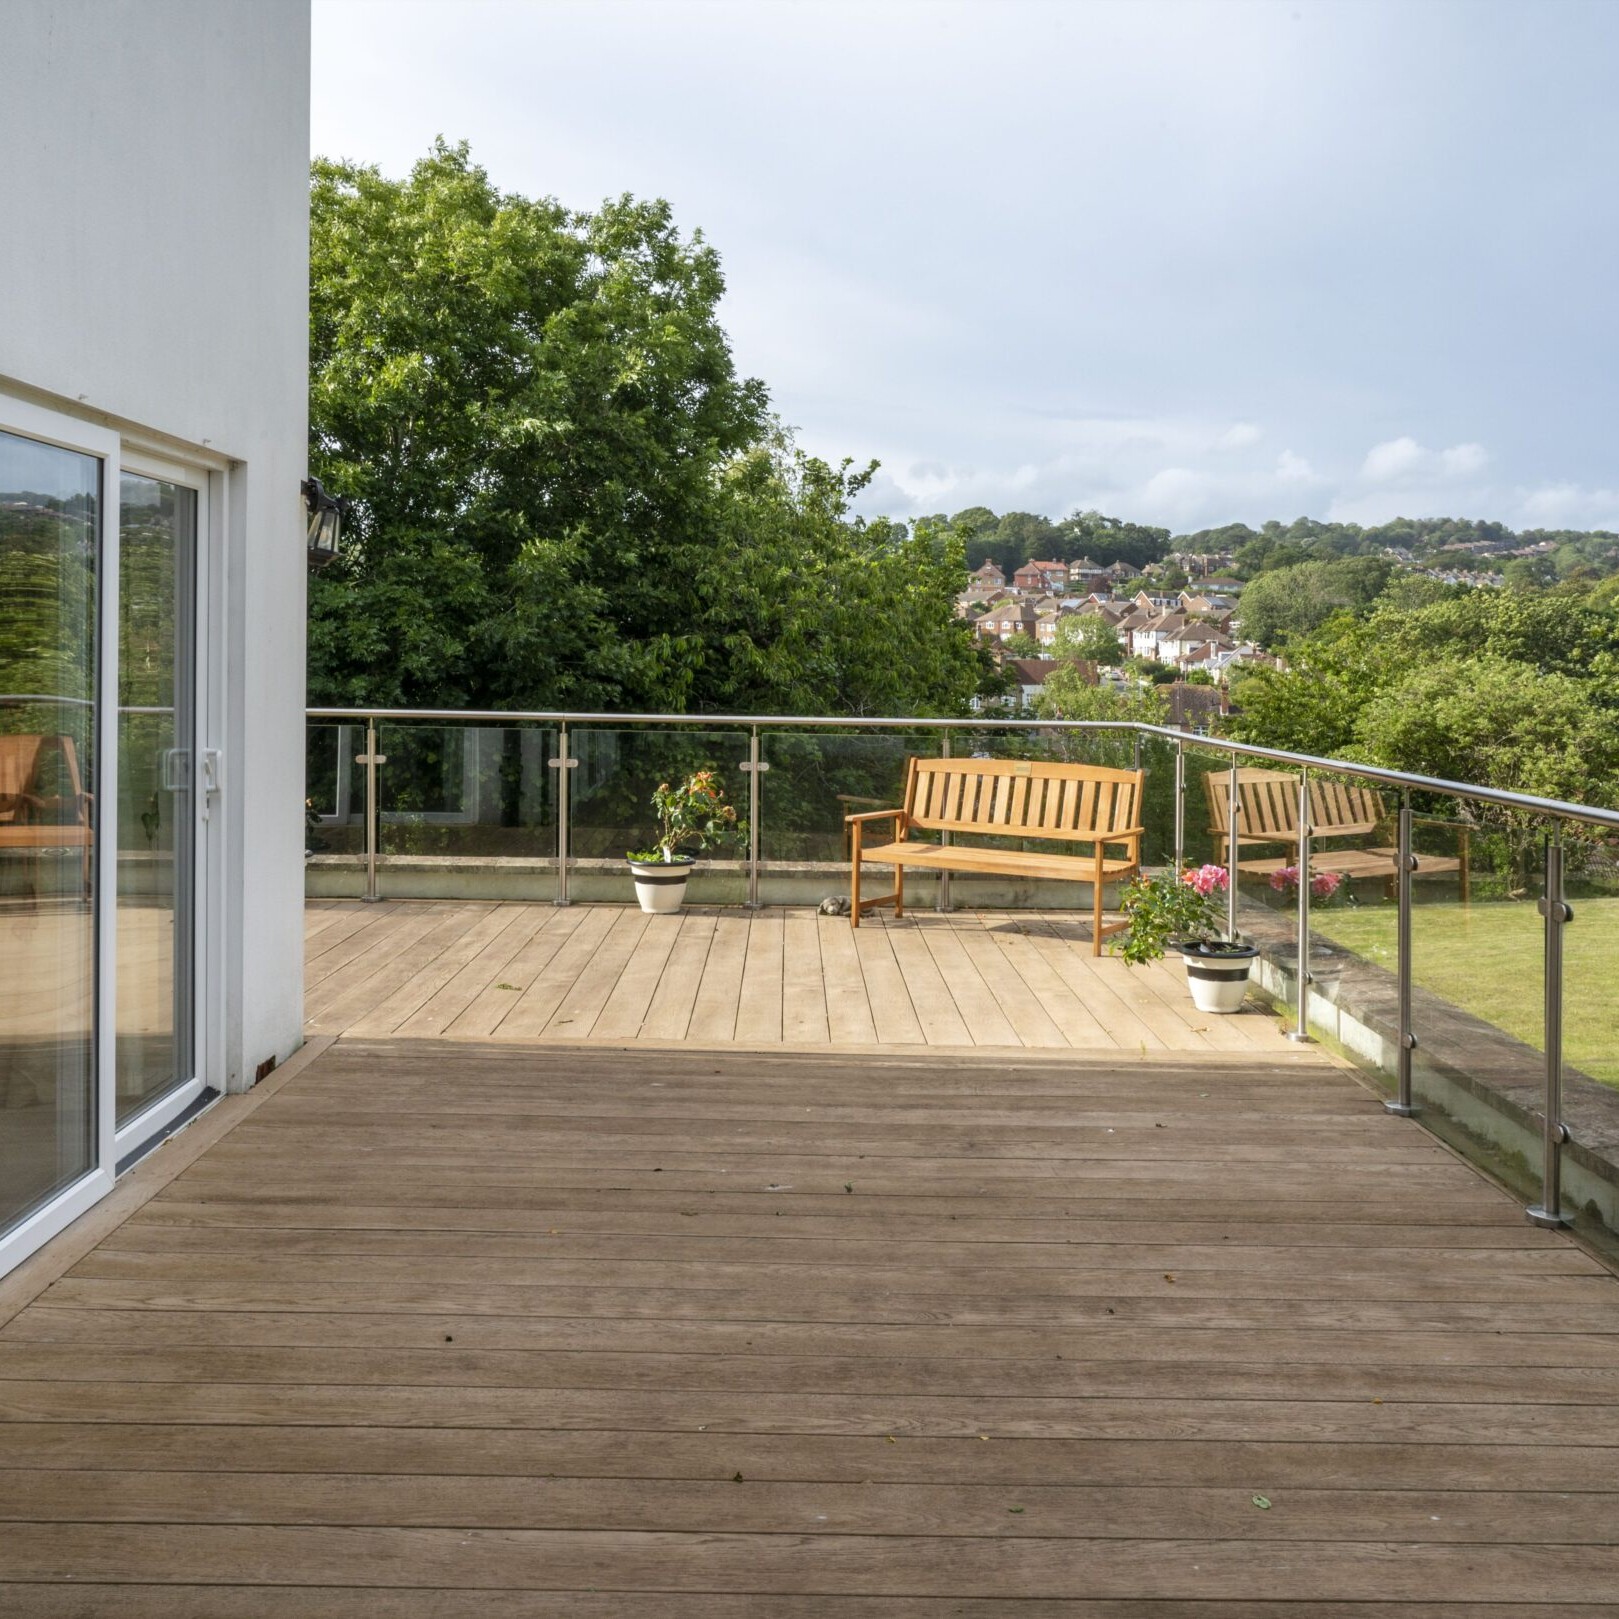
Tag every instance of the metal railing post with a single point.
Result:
(755, 768)
(1180, 806)
(941, 893)
(562, 764)
(1558, 913)
(1405, 863)
(371, 759)
(1233, 810)
(1301, 1028)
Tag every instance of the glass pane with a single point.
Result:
(1477, 971)
(334, 791)
(817, 778)
(611, 806)
(48, 553)
(1591, 1035)
(466, 811)
(157, 561)
(1354, 919)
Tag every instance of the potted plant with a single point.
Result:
(690, 813)
(1178, 912)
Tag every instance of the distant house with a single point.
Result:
(989, 576)
(1006, 619)
(1031, 674)
(1039, 577)
(1196, 708)
(1085, 575)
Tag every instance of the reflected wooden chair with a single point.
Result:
(43, 804)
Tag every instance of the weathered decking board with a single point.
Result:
(479, 1328)
(717, 977)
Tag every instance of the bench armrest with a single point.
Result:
(874, 815)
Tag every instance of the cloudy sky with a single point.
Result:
(1187, 263)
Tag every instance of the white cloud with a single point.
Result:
(1567, 505)
(1291, 468)
(1463, 460)
(1240, 436)
(1403, 459)
(1398, 458)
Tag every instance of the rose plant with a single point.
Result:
(691, 813)
(1172, 908)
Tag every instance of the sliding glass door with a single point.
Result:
(100, 826)
(157, 824)
(49, 560)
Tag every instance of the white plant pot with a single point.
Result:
(660, 886)
(1218, 983)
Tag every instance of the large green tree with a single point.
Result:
(564, 495)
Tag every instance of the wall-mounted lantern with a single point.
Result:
(325, 513)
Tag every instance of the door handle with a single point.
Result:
(176, 769)
(212, 778)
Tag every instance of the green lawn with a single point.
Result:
(1486, 959)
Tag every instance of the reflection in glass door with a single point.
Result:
(49, 543)
(157, 563)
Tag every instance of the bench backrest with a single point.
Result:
(1268, 807)
(1028, 798)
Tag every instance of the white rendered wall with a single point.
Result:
(154, 275)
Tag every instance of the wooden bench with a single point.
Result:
(31, 818)
(1024, 799)
(1268, 814)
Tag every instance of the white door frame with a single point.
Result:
(207, 1023)
(209, 477)
(69, 433)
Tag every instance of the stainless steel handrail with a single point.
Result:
(1587, 813)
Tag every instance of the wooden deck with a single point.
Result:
(475, 1330)
(720, 977)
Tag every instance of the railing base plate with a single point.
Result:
(1540, 1216)
(1300, 1038)
(1402, 1110)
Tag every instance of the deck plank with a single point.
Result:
(494, 1328)
(668, 1016)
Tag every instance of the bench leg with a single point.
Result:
(899, 891)
(854, 880)
(1096, 917)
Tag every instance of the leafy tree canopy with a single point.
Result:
(564, 494)
(1488, 686)
(1296, 600)
(1089, 638)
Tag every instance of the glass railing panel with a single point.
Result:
(465, 811)
(817, 778)
(611, 791)
(1156, 756)
(1590, 1030)
(1478, 985)
(1353, 1002)
(334, 790)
